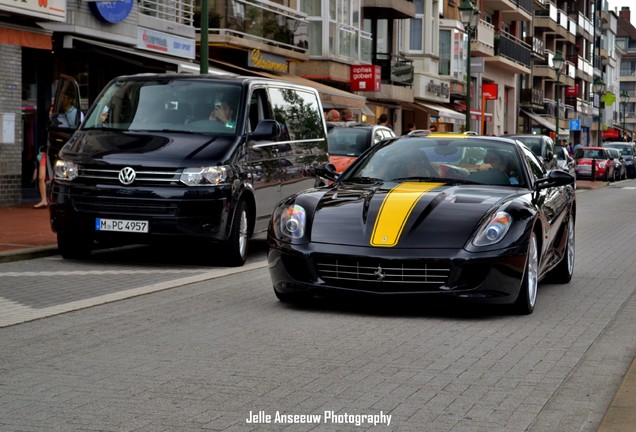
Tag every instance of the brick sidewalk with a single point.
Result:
(23, 227)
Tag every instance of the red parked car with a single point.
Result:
(603, 161)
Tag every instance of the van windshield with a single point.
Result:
(186, 105)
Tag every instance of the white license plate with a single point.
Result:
(120, 225)
(584, 169)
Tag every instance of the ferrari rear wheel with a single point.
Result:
(528, 292)
(562, 273)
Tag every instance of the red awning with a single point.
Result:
(611, 133)
(475, 114)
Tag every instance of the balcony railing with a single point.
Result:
(512, 48)
(531, 96)
(178, 11)
(396, 70)
(538, 45)
(525, 5)
(585, 23)
(262, 21)
(485, 34)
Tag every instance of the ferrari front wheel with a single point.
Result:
(528, 291)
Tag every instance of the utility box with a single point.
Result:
(7, 121)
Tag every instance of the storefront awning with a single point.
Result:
(183, 66)
(329, 96)
(546, 123)
(475, 114)
(440, 111)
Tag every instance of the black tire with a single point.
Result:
(237, 245)
(74, 245)
(527, 298)
(563, 272)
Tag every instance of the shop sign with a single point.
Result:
(489, 91)
(611, 134)
(365, 78)
(572, 91)
(267, 61)
(54, 10)
(439, 89)
(112, 12)
(165, 43)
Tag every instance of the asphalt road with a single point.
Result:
(153, 340)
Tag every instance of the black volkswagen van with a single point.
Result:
(185, 157)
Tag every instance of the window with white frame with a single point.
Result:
(414, 30)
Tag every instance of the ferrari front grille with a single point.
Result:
(383, 275)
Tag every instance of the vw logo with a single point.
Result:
(127, 175)
(379, 274)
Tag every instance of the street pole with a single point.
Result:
(624, 100)
(557, 64)
(203, 46)
(468, 31)
(599, 89)
(469, 16)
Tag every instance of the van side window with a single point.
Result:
(258, 108)
(298, 112)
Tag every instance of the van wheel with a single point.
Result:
(74, 245)
(237, 244)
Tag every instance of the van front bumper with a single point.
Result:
(170, 212)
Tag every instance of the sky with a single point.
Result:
(617, 4)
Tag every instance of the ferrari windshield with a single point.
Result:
(168, 104)
(462, 160)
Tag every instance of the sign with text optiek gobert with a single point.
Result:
(54, 10)
(489, 91)
(572, 91)
(365, 78)
(164, 43)
(267, 61)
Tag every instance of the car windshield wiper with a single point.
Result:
(363, 180)
(434, 179)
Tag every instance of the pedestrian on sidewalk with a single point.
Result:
(41, 179)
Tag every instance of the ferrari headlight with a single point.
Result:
(204, 176)
(494, 230)
(293, 220)
(66, 170)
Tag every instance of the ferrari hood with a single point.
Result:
(409, 215)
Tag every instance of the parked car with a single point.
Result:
(396, 223)
(347, 141)
(189, 157)
(541, 145)
(628, 151)
(564, 160)
(619, 163)
(594, 162)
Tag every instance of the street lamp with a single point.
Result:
(624, 101)
(599, 89)
(469, 16)
(557, 65)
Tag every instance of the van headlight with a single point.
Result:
(494, 230)
(204, 176)
(66, 170)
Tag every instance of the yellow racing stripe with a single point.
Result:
(395, 211)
